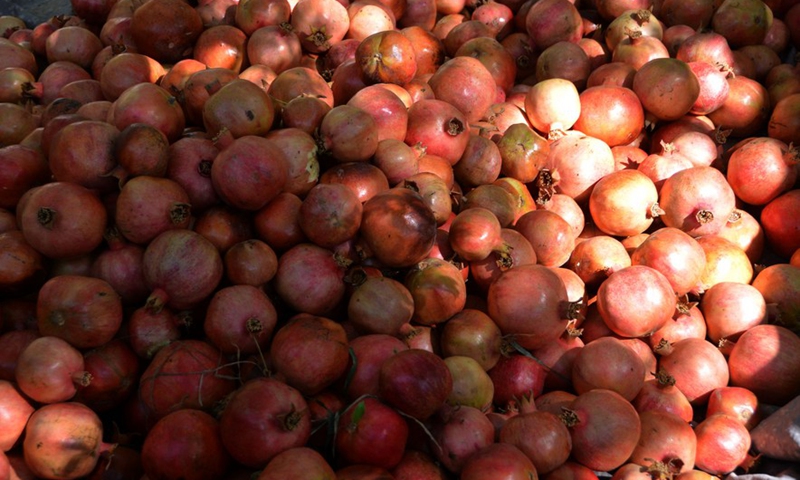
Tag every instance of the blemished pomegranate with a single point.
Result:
(63, 440)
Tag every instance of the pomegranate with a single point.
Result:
(459, 433)
(697, 200)
(605, 429)
(148, 206)
(524, 293)
(181, 268)
(666, 439)
(697, 366)
(185, 444)
(416, 382)
(322, 336)
(63, 440)
(15, 410)
(185, 374)
(167, 30)
(84, 311)
(263, 418)
(609, 364)
(310, 279)
(371, 433)
(62, 220)
(756, 363)
(498, 460)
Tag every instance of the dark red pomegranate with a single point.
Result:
(148, 206)
(84, 311)
(185, 374)
(182, 268)
(263, 418)
(62, 220)
(326, 351)
(416, 382)
(166, 30)
(185, 444)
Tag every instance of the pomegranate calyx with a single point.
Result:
(291, 419)
(504, 259)
(656, 210)
(156, 301)
(82, 379)
(642, 16)
(455, 127)
(204, 168)
(112, 236)
(556, 132)
(355, 276)
(663, 347)
(525, 402)
(341, 260)
(632, 33)
(735, 216)
(254, 325)
(663, 470)
(411, 185)
(720, 135)
(57, 318)
(684, 305)
(46, 217)
(179, 212)
(506, 348)
(319, 37)
(575, 310)
(663, 378)
(704, 216)
(569, 417)
(572, 331)
(545, 183)
(32, 91)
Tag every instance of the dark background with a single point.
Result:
(35, 12)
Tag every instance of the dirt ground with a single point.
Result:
(34, 11)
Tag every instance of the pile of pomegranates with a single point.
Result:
(400, 239)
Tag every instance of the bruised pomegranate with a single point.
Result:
(398, 243)
(63, 440)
